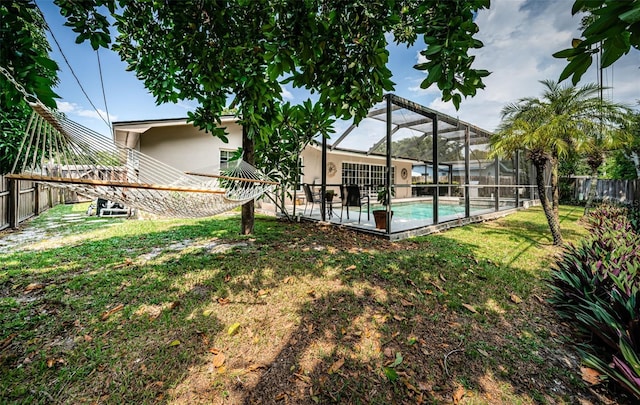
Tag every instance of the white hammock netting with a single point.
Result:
(62, 153)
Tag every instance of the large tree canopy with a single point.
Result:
(24, 52)
(208, 50)
(614, 28)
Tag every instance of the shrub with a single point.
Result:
(596, 286)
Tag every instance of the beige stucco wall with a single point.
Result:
(312, 161)
(187, 148)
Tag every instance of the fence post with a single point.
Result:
(14, 195)
(36, 198)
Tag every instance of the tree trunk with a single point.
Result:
(248, 214)
(555, 191)
(552, 218)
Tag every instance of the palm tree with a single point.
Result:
(548, 128)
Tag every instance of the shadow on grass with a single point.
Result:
(325, 315)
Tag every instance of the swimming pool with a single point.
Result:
(424, 210)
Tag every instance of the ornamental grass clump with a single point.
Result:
(596, 287)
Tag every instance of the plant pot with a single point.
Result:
(380, 217)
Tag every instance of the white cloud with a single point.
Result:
(286, 94)
(186, 105)
(75, 110)
(519, 39)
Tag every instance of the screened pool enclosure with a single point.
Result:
(436, 168)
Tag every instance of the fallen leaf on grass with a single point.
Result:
(398, 360)
(405, 303)
(280, 396)
(263, 293)
(352, 267)
(410, 386)
(255, 367)
(336, 366)
(52, 362)
(154, 385)
(444, 280)
(442, 290)
(590, 375)
(391, 374)
(175, 342)
(287, 280)
(483, 352)
(470, 308)
(6, 341)
(127, 262)
(303, 378)
(458, 394)
(515, 299)
(112, 311)
(223, 301)
(424, 386)
(207, 312)
(33, 286)
(233, 329)
(218, 360)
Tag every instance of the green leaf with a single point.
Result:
(566, 53)
(614, 48)
(632, 16)
(398, 360)
(233, 329)
(391, 374)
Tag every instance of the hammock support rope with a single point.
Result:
(62, 153)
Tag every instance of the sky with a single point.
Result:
(519, 38)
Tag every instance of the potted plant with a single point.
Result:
(328, 195)
(380, 216)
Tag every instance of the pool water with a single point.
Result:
(417, 211)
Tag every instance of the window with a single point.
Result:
(365, 175)
(225, 156)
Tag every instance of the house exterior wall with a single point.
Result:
(312, 170)
(187, 148)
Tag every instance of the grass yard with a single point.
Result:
(189, 312)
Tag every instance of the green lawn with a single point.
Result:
(189, 311)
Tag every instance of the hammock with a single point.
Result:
(62, 153)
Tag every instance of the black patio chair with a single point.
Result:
(351, 197)
(311, 199)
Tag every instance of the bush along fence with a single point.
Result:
(21, 200)
(596, 287)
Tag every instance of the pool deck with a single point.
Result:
(400, 228)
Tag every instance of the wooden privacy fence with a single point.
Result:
(21, 200)
(624, 191)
